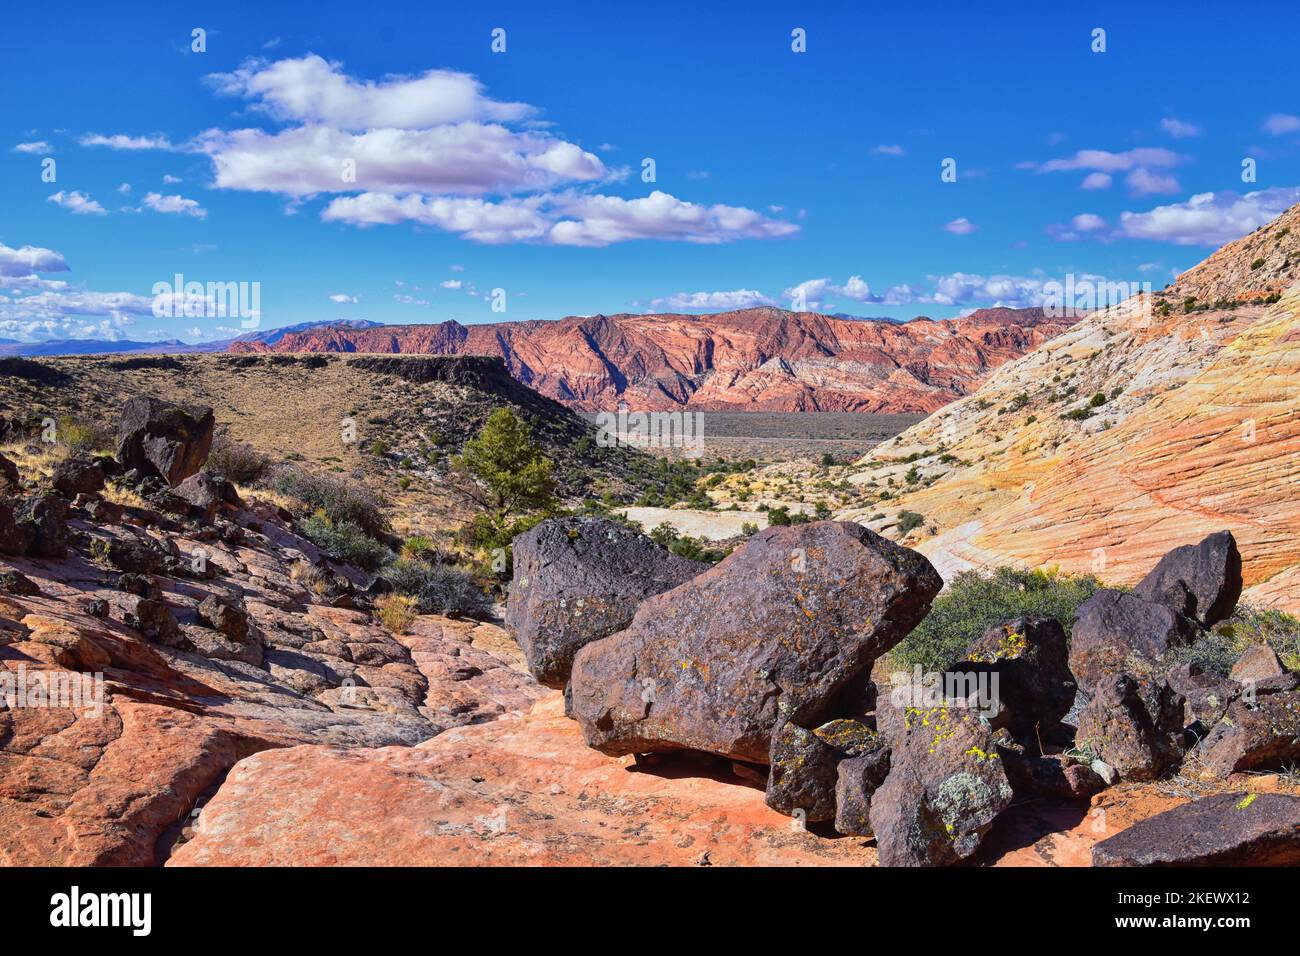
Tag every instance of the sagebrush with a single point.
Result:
(973, 602)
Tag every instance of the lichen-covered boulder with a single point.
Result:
(1258, 734)
(1227, 829)
(796, 616)
(802, 778)
(1116, 632)
(1209, 573)
(1205, 696)
(945, 787)
(577, 580)
(1030, 657)
(857, 780)
(1134, 726)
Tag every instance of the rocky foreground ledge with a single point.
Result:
(526, 790)
(520, 790)
(202, 630)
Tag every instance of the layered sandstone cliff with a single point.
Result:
(748, 360)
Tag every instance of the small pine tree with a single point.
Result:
(505, 472)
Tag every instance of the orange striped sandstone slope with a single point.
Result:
(1200, 430)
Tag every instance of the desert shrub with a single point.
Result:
(395, 612)
(684, 546)
(781, 516)
(973, 602)
(418, 546)
(437, 588)
(237, 461)
(340, 499)
(82, 436)
(909, 520)
(305, 573)
(1217, 651)
(343, 541)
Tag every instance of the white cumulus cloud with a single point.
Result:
(77, 202)
(28, 260)
(177, 205)
(711, 301)
(1279, 124)
(462, 159)
(123, 142)
(311, 90)
(1210, 219)
(1179, 129)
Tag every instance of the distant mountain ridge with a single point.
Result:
(763, 359)
(166, 346)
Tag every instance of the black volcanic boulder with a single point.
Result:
(14, 538)
(1205, 696)
(577, 580)
(162, 440)
(77, 475)
(1048, 775)
(1202, 581)
(135, 557)
(1135, 726)
(857, 780)
(795, 616)
(206, 494)
(9, 480)
(1115, 632)
(1030, 657)
(1263, 734)
(1256, 663)
(44, 520)
(946, 784)
(1227, 829)
(225, 617)
(15, 582)
(802, 779)
(154, 620)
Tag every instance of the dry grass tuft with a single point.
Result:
(396, 612)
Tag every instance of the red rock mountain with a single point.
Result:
(749, 360)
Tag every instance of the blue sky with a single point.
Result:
(775, 171)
